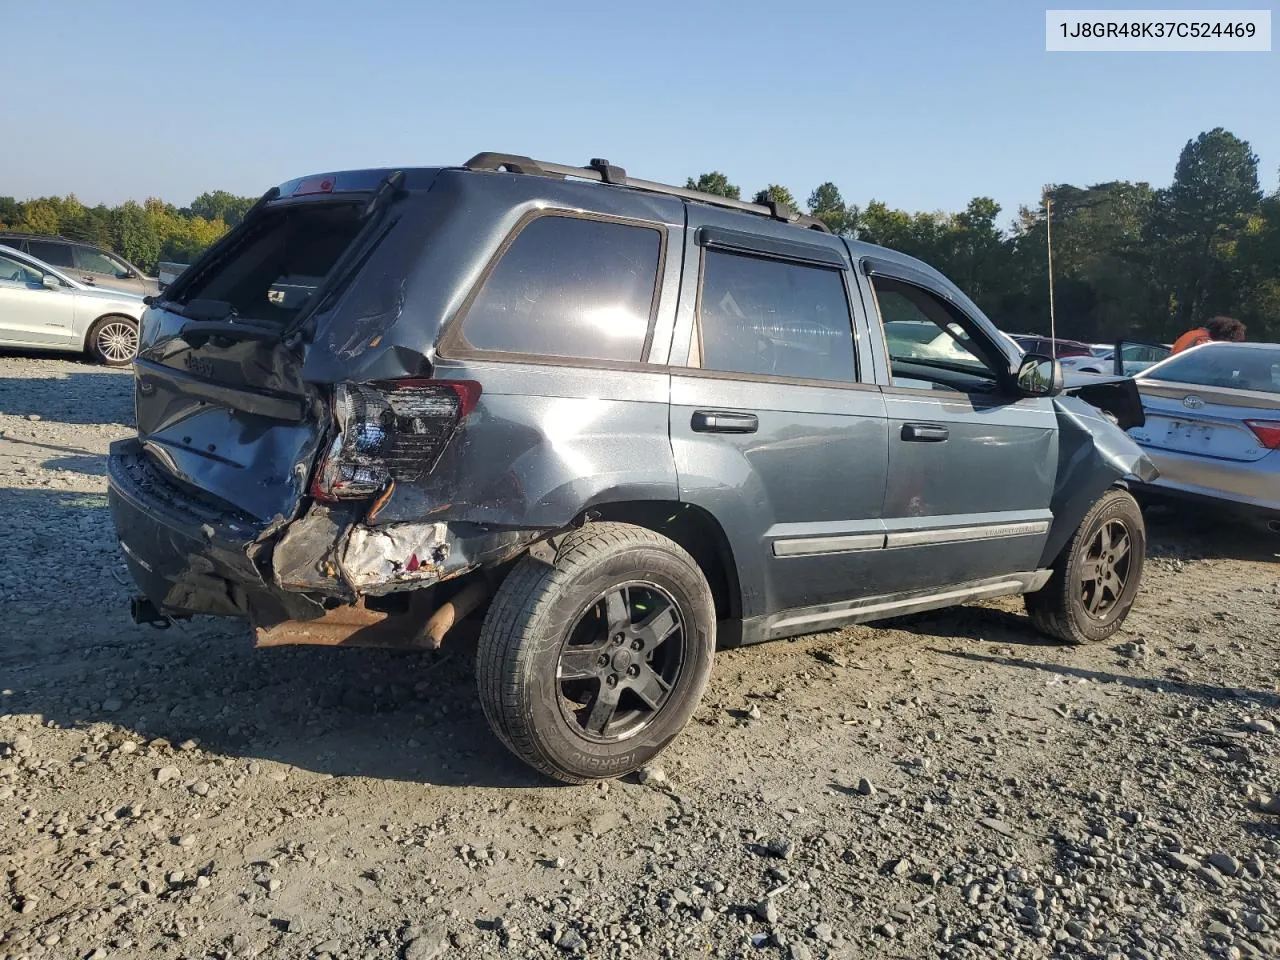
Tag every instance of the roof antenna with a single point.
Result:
(1048, 240)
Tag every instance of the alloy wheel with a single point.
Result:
(118, 341)
(1105, 569)
(621, 661)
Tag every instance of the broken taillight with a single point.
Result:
(393, 430)
(1267, 432)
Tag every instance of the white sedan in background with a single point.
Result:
(42, 308)
(1213, 427)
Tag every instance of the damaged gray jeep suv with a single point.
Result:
(629, 422)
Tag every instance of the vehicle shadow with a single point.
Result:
(1198, 534)
(973, 623)
(1204, 691)
(71, 655)
(84, 394)
(87, 463)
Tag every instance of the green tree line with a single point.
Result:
(1129, 259)
(142, 233)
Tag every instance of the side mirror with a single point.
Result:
(127, 275)
(50, 282)
(1039, 376)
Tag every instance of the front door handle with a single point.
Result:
(924, 432)
(717, 421)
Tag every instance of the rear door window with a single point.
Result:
(279, 261)
(570, 287)
(54, 254)
(774, 318)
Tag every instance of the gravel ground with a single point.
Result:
(945, 785)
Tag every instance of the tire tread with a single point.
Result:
(1050, 607)
(504, 659)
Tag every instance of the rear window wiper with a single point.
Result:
(197, 309)
(218, 318)
(199, 331)
(200, 309)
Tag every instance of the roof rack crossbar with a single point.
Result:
(602, 171)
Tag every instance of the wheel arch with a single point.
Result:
(100, 320)
(696, 531)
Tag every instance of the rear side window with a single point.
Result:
(765, 317)
(279, 261)
(570, 287)
(54, 254)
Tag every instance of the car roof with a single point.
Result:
(1236, 345)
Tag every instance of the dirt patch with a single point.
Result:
(945, 785)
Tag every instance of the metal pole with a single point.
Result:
(1048, 229)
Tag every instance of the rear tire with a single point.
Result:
(114, 341)
(588, 666)
(1097, 575)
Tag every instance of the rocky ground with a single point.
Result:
(946, 785)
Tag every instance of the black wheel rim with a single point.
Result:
(621, 661)
(1106, 569)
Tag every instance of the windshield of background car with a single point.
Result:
(1220, 365)
(281, 259)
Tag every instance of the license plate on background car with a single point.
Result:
(1189, 434)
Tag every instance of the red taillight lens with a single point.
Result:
(393, 430)
(1267, 432)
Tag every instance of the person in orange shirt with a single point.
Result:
(1216, 328)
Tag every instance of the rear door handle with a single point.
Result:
(924, 432)
(716, 421)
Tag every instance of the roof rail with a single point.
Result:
(41, 236)
(603, 171)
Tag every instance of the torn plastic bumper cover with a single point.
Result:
(329, 552)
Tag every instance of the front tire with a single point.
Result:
(1095, 579)
(113, 341)
(589, 665)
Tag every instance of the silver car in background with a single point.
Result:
(44, 309)
(1213, 426)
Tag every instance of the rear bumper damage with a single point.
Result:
(306, 578)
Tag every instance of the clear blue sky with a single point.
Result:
(921, 105)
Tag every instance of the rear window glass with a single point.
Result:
(570, 287)
(765, 317)
(280, 261)
(1240, 368)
